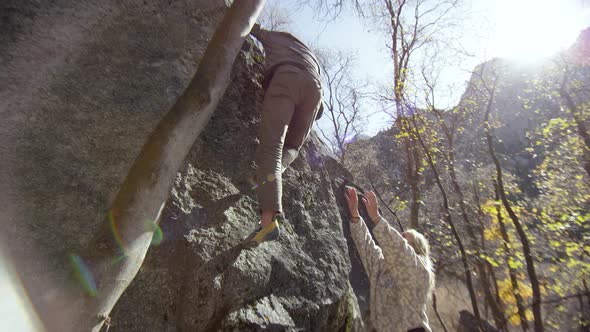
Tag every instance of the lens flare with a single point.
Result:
(253, 183)
(150, 226)
(115, 231)
(83, 274)
(523, 31)
(158, 236)
(16, 309)
(350, 138)
(118, 258)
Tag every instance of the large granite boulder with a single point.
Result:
(82, 85)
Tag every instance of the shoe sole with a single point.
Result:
(273, 236)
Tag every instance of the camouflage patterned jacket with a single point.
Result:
(399, 279)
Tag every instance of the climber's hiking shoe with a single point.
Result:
(262, 234)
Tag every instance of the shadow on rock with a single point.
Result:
(217, 266)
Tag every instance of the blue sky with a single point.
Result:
(518, 29)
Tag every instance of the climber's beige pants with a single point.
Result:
(291, 103)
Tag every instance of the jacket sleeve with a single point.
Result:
(365, 245)
(396, 250)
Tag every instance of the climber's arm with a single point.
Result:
(396, 250)
(369, 252)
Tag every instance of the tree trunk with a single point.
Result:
(434, 306)
(113, 258)
(583, 321)
(530, 264)
(507, 254)
(490, 297)
(491, 301)
(580, 125)
(495, 282)
(585, 308)
(412, 168)
(449, 220)
(415, 184)
(401, 51)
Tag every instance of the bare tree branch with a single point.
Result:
(275, 18)
(343, 97)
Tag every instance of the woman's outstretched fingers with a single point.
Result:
(352, 201)
(371, 204)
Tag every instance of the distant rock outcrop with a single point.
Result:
(581, 49)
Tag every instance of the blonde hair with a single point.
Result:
(422, 249)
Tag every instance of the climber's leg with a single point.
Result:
(269, 232)
(303, 118)
(290, 93)
(277, 110)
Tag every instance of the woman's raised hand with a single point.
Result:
(353, 201)
(370, 201)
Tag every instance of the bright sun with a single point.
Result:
(532, 29)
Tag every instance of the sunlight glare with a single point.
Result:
(16, 311)
(533, 29)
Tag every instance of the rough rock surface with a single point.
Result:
(299, 282)
(82, 85)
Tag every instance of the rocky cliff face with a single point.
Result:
(526, 98)
(83, 85)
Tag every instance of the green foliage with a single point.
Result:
(258, 57)
(562, 209)
(555, 218)
(507, 295)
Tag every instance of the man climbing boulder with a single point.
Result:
(292, 101)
